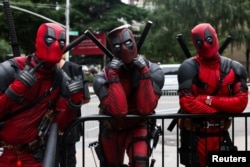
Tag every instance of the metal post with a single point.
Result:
(67, 27)
(51, 147)
(34, 14)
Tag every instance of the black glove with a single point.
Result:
(116, 63)
(139, 62)
(23, 80)
(27, 75)
(75, 86)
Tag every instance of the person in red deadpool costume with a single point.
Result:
(30, 87)
(72, 70)
(208, 84)
(129, 84)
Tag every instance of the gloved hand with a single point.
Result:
(113, 73)
(25, 78)
(75, 87)
(142, 67)
(116, 63)
(139, 62)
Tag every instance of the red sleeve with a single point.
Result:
(235, 104)
(64, 115)
(115, 102)
(5, 104)
(191, 104)
(146, 98)
(231, 104)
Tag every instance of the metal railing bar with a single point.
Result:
(246, 136)
(232, 130)
(163, 141)
(177, 147)
(157, 116)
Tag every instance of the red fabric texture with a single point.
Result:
(122, 99)
(77, 98)
(18, 87)
(209, 144)
(9, 159)
(123, 140)
(205, 41)
(51, 51)
(64, 116)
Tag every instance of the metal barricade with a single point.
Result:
(167, 152)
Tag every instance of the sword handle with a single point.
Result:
(183, 45)
(144, 34)
(225, 44)
(11, 26)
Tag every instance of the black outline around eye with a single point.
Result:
(117, 48)
(49, 40)
(209, 41)
(199, 43)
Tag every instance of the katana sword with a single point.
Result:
(11, 26)
(144, 35)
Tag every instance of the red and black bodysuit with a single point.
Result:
(24, 80)
(128, 85)
(208, 84)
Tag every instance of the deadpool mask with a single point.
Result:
(50, 42)
(123, 44)
(205, 41)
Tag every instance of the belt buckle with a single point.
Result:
(8, 146)
(207, 124)
(222, 124)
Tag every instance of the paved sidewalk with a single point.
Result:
(170, 152)
(169, 157)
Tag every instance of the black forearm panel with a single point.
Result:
(157, 77)
(7, 71)
(100, 85)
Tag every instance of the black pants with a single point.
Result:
(71, 155)
(74, 137)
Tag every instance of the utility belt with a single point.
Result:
(28, 147)
(199, 125)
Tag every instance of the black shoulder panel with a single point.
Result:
(157, 77)
(241, 74)
(7, 73)
(225, 64)
(239, 69)
(187, 72)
